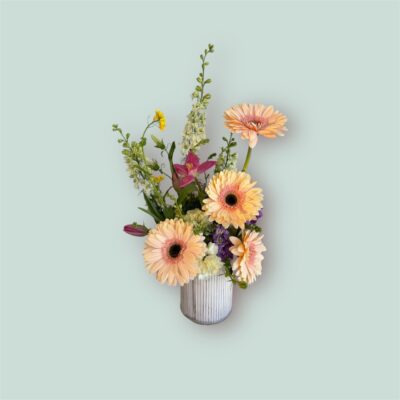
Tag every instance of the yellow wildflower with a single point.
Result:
(160, 117)
(158, 179)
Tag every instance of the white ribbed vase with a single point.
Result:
(207, 301)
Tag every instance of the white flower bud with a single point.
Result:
(212, 249)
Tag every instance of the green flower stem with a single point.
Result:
(164, 173)
(147, 127)
(155, 186)
(228, 149)
(200, 191)
(178, 211)
(166, 193)
(203, 81)
(246, 162)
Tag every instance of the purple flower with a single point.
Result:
(136, 229)
(256, 219)
(221, 239)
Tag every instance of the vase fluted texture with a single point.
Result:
(207, 301)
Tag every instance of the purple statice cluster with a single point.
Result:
(256, 219)
(221, 239)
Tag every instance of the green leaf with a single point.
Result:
(204, 141)
(171, 151)
(158, 142)
(153, 208)
(169, 212)
(154, 165)
(184, 193)
(148, 212)
(242, 285)
(171, 158)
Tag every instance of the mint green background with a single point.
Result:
(80, 316)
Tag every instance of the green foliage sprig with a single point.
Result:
(194, 134)
(201, 79)
(141, 170)
(226, 158)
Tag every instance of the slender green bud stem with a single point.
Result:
(147, 127)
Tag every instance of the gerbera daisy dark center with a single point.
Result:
(231, 199)
(175, 250)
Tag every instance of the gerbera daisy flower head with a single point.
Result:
(248, 251)
(172, 252)
(233, 199)
(251, 120)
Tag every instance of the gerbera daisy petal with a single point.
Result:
(252, 139)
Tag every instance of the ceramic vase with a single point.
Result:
(207, 301)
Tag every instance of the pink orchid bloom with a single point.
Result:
(188, 172)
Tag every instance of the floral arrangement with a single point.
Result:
(206, 212)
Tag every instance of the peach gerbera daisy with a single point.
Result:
(233, 199)
(172, 252)
(251, 120)
(247, 266)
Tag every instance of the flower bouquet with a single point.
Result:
(206, 236)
